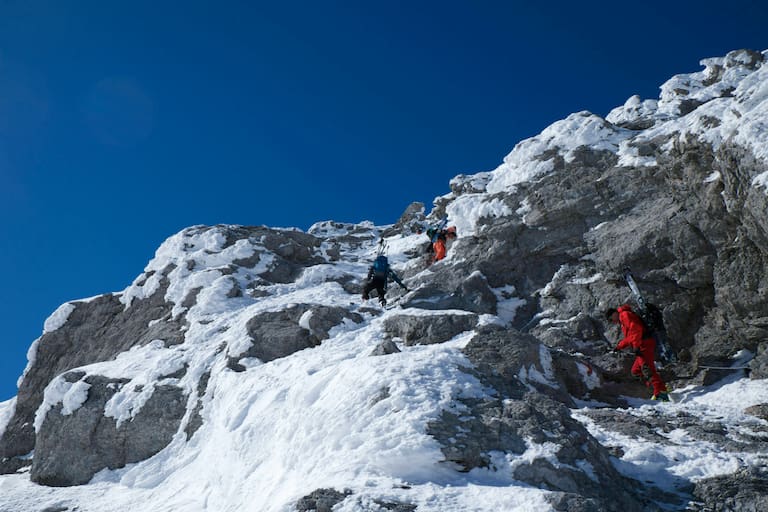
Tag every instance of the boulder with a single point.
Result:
(514, 363)
(440, 291)
(427, 329)
(70, 449)
(759, 411)
(321, 500)
(384, 348)
(279, 334)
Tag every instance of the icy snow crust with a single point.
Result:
(669, 466)
(335, 417)
(59, 317)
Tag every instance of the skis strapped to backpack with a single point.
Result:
(653, 319)
(383, 247)
(435, 229)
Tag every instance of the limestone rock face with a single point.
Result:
(521, 417)
(697, 249)
(321, 500)
(70, 449)
(454, 287)
(747, 490)
(95, 331)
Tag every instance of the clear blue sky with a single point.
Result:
(122, 122)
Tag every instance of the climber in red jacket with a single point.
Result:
(643, 345)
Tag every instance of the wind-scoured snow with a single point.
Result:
(59, 317)
(71, 395)
(732, 100)
(534, 157)
(143, 367)
(729, 102)
(467, 210)
(634, 110)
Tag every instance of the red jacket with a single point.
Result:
(632, 328)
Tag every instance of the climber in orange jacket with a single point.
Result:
(438, 237)
(643, 345)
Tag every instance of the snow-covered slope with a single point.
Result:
(329, 416)
(241, 371)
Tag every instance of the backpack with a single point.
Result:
(381, 267)
(653, 319)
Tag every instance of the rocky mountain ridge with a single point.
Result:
(493, 372)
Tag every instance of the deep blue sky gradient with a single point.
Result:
(123, 122)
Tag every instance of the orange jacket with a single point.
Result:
(439, 247)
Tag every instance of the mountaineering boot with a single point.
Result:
(661, 397)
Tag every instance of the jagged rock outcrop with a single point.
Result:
(512, 362)
(698, 249)
(453, 287)
(428, 329)
(323, 500)
(524, 416)
(412, 220)
(71, 448)
(746, 490)
(95, 330)
(155, 309)
(281, 333)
